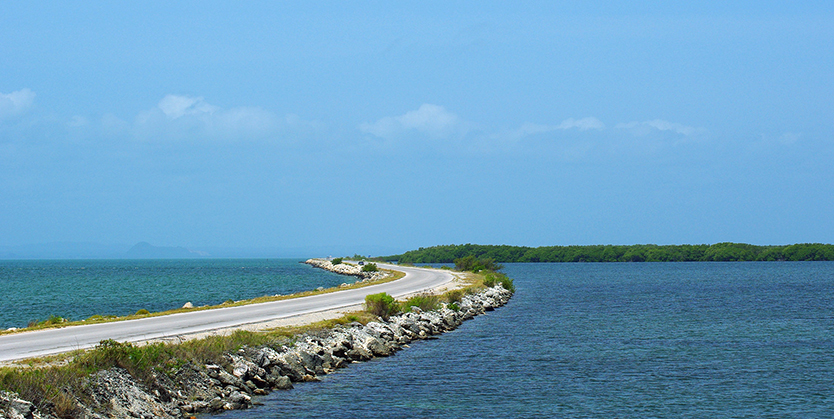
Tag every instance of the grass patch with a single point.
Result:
(453, 296)
(425, 302)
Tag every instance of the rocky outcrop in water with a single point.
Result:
(254, 372)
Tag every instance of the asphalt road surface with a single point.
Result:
(54, 341)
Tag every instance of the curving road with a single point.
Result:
(53, 341)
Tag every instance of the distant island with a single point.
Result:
(719, 252)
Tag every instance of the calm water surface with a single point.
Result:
(77, 289)
(609, 340)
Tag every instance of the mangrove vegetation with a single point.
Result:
(719, 252)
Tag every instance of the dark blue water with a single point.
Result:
(646, 340)
(77, 289)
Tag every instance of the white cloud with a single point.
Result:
(15, 103)
(646, 127)
(429, 119)
(529, 128)
(583, 124)
(187, 117)
(174, 106)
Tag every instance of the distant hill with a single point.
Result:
(145, 250)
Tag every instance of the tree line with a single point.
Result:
(719, 252)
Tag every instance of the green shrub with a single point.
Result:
(371, 267)
(490, 279)
(454, 306)
(454, 296)
(493, 278)
(336, 261)
(142, 312)
(507, 283)
(381, 305)
(425, 302)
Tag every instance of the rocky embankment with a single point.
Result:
(346, 269)
(196, 388)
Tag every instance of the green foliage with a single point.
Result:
(454, 306)
(425, 302)
(48, 388)
(493, 278)
(52, 320)
(453, 296)
(507, 283)
(336, 261)
(142, 312)
(474, 264)
(381, 305)
(370, 267)
(468, 255)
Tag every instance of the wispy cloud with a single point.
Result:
(583, 124)
(529, 128)
(659, 125)
(175, 106)
(189, 117)
(16, 103)
(432, 120)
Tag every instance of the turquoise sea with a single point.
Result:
(33, 290)
(585, 340)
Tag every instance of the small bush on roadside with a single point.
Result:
(370, 267)
(381, 305)
(490, 279)
(336, 261)
(425, 302)
(453, 296)
(142, 312)
(493, 278)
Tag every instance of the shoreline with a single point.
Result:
(255, 371)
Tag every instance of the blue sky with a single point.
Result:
(382, 128)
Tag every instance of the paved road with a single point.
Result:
(54, 341)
